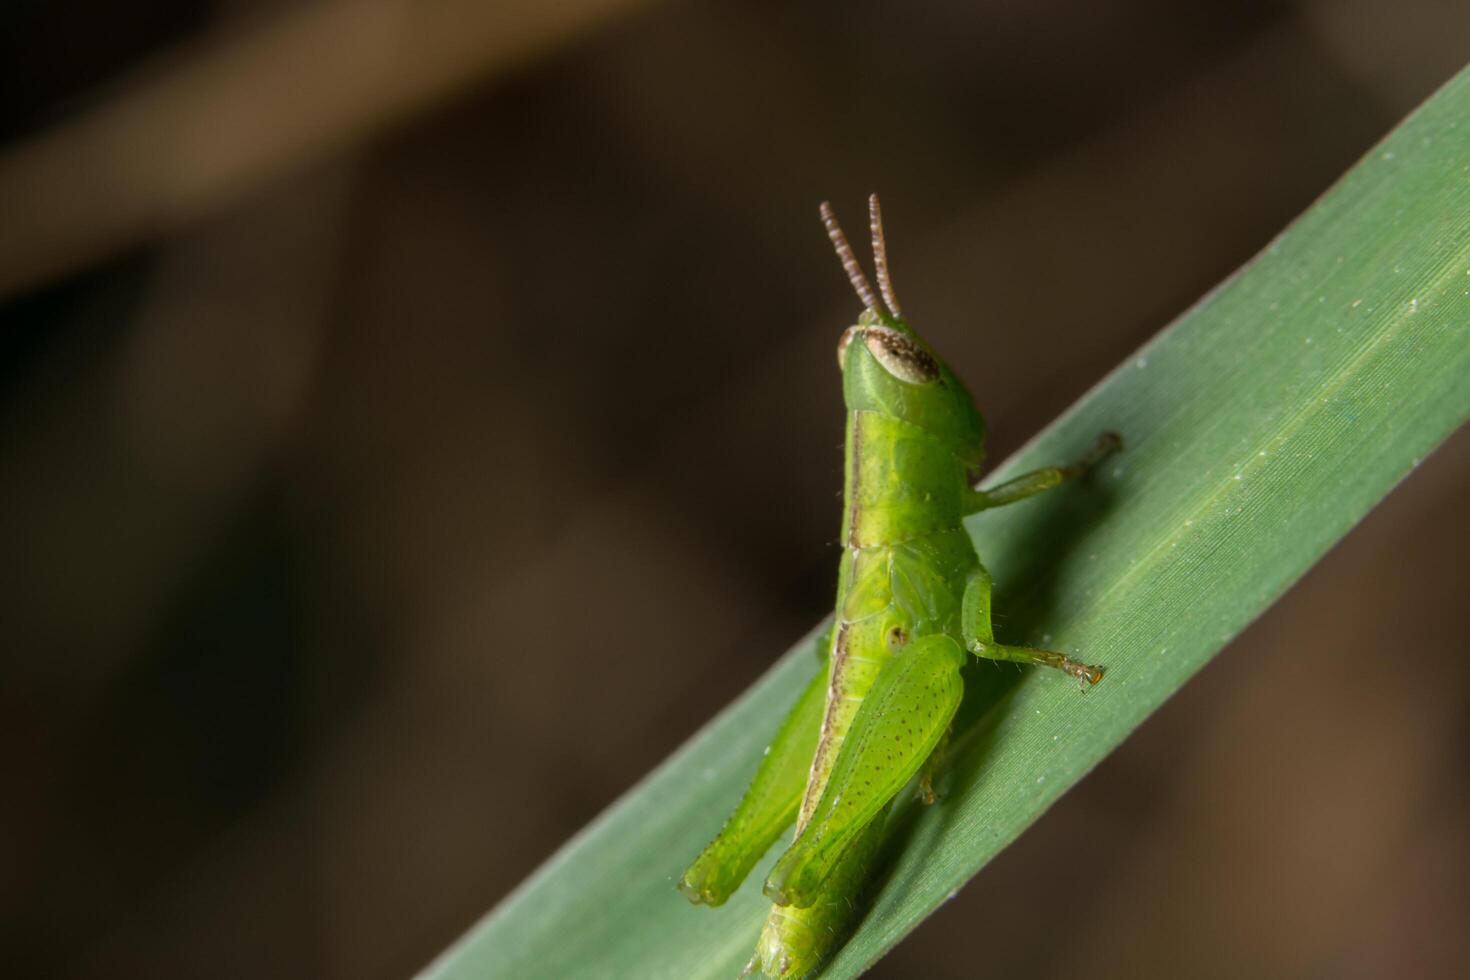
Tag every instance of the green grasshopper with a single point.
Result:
(912, 597)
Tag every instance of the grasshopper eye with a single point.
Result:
(901, 357)
(842, 343)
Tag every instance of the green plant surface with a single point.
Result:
(1261, 426)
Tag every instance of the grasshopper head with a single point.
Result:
(887, 367)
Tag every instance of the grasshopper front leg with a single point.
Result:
(1039, 481)
(770, 803)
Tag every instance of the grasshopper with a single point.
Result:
(912, 598)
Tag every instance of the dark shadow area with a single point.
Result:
(185, 742)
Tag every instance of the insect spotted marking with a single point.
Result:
(897, 352)
(897, 637)
(900, 356)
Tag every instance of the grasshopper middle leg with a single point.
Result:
(980, 638)
(1039, 481)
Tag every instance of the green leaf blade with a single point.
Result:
(1261, 427)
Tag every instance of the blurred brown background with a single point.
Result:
(417, 417)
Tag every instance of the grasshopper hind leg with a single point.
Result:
(769, 805)
(897, 728)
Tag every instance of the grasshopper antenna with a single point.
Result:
(880, 254)
(849, 261)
